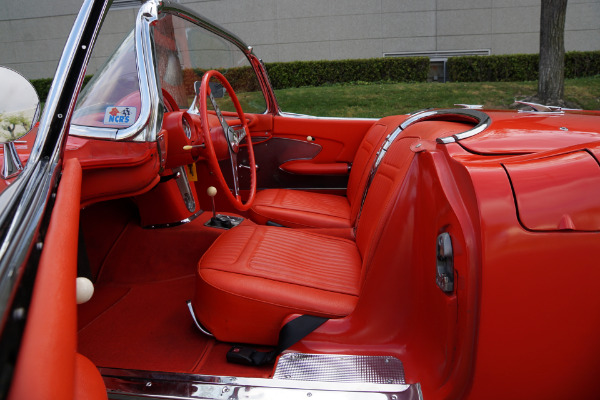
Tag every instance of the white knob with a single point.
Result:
(211, 191)
(310, 138)
(85, 290)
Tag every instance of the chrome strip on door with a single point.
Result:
(128, 384)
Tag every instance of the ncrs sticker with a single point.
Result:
(119, 115)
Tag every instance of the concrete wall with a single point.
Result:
(33, 32)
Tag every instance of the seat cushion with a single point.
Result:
(301, 209)
(253, 277)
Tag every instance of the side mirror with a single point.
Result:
(19, 111)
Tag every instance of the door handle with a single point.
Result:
(241, 165)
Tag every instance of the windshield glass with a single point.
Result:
(111, 99)
(185, 51)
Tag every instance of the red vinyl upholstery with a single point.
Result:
(301, 209)
(253, 277)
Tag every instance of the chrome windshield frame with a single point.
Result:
(149, 122)
(256, 64)
(146, 127)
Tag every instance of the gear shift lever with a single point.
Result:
(218, 220)
(212, 192)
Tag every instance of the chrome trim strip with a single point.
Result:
(93, 132)
(470, 106)
(196, 322)
(150, 384)
(417, 117)
(483, 122)
(177, 223)
(186, 13)
(12, 164)
(183, 184)
(543, 108)
(379, 157)
(294, 115)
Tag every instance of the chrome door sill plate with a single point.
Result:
(134, 384)
(340, 368)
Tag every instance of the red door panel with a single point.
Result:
(306, 152)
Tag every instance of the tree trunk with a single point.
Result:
(552, 52)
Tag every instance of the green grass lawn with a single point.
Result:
(377, 100)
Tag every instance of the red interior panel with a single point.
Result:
(114, 169)
(48, 366)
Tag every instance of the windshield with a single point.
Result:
(112, 98)
(185, 51)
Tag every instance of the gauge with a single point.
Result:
(186, 128)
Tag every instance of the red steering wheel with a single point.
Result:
(233, 135)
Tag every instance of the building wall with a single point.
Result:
(33, 32)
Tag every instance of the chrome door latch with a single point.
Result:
(445, 263)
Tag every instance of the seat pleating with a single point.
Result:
(301, 209)
(253, 277)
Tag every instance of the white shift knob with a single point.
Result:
(85, 290)
(211, 191)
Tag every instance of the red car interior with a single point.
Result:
(257, 276)
(453, 243)
(51, 337)
(302, 209)
(254, 278)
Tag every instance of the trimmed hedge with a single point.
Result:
(503, 68)
(579, 64)
(518, 67)
(316, 73)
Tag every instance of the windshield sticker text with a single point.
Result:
(119, 115)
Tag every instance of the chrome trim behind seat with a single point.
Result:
(127, 384)
(483, 121)
(425, 115)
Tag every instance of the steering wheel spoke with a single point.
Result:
(234, 170)
(233, 136)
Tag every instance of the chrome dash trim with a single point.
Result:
(93, 132)
(150, 384)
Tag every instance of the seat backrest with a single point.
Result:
(382, 192)
(364, 159)
(388, 181)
